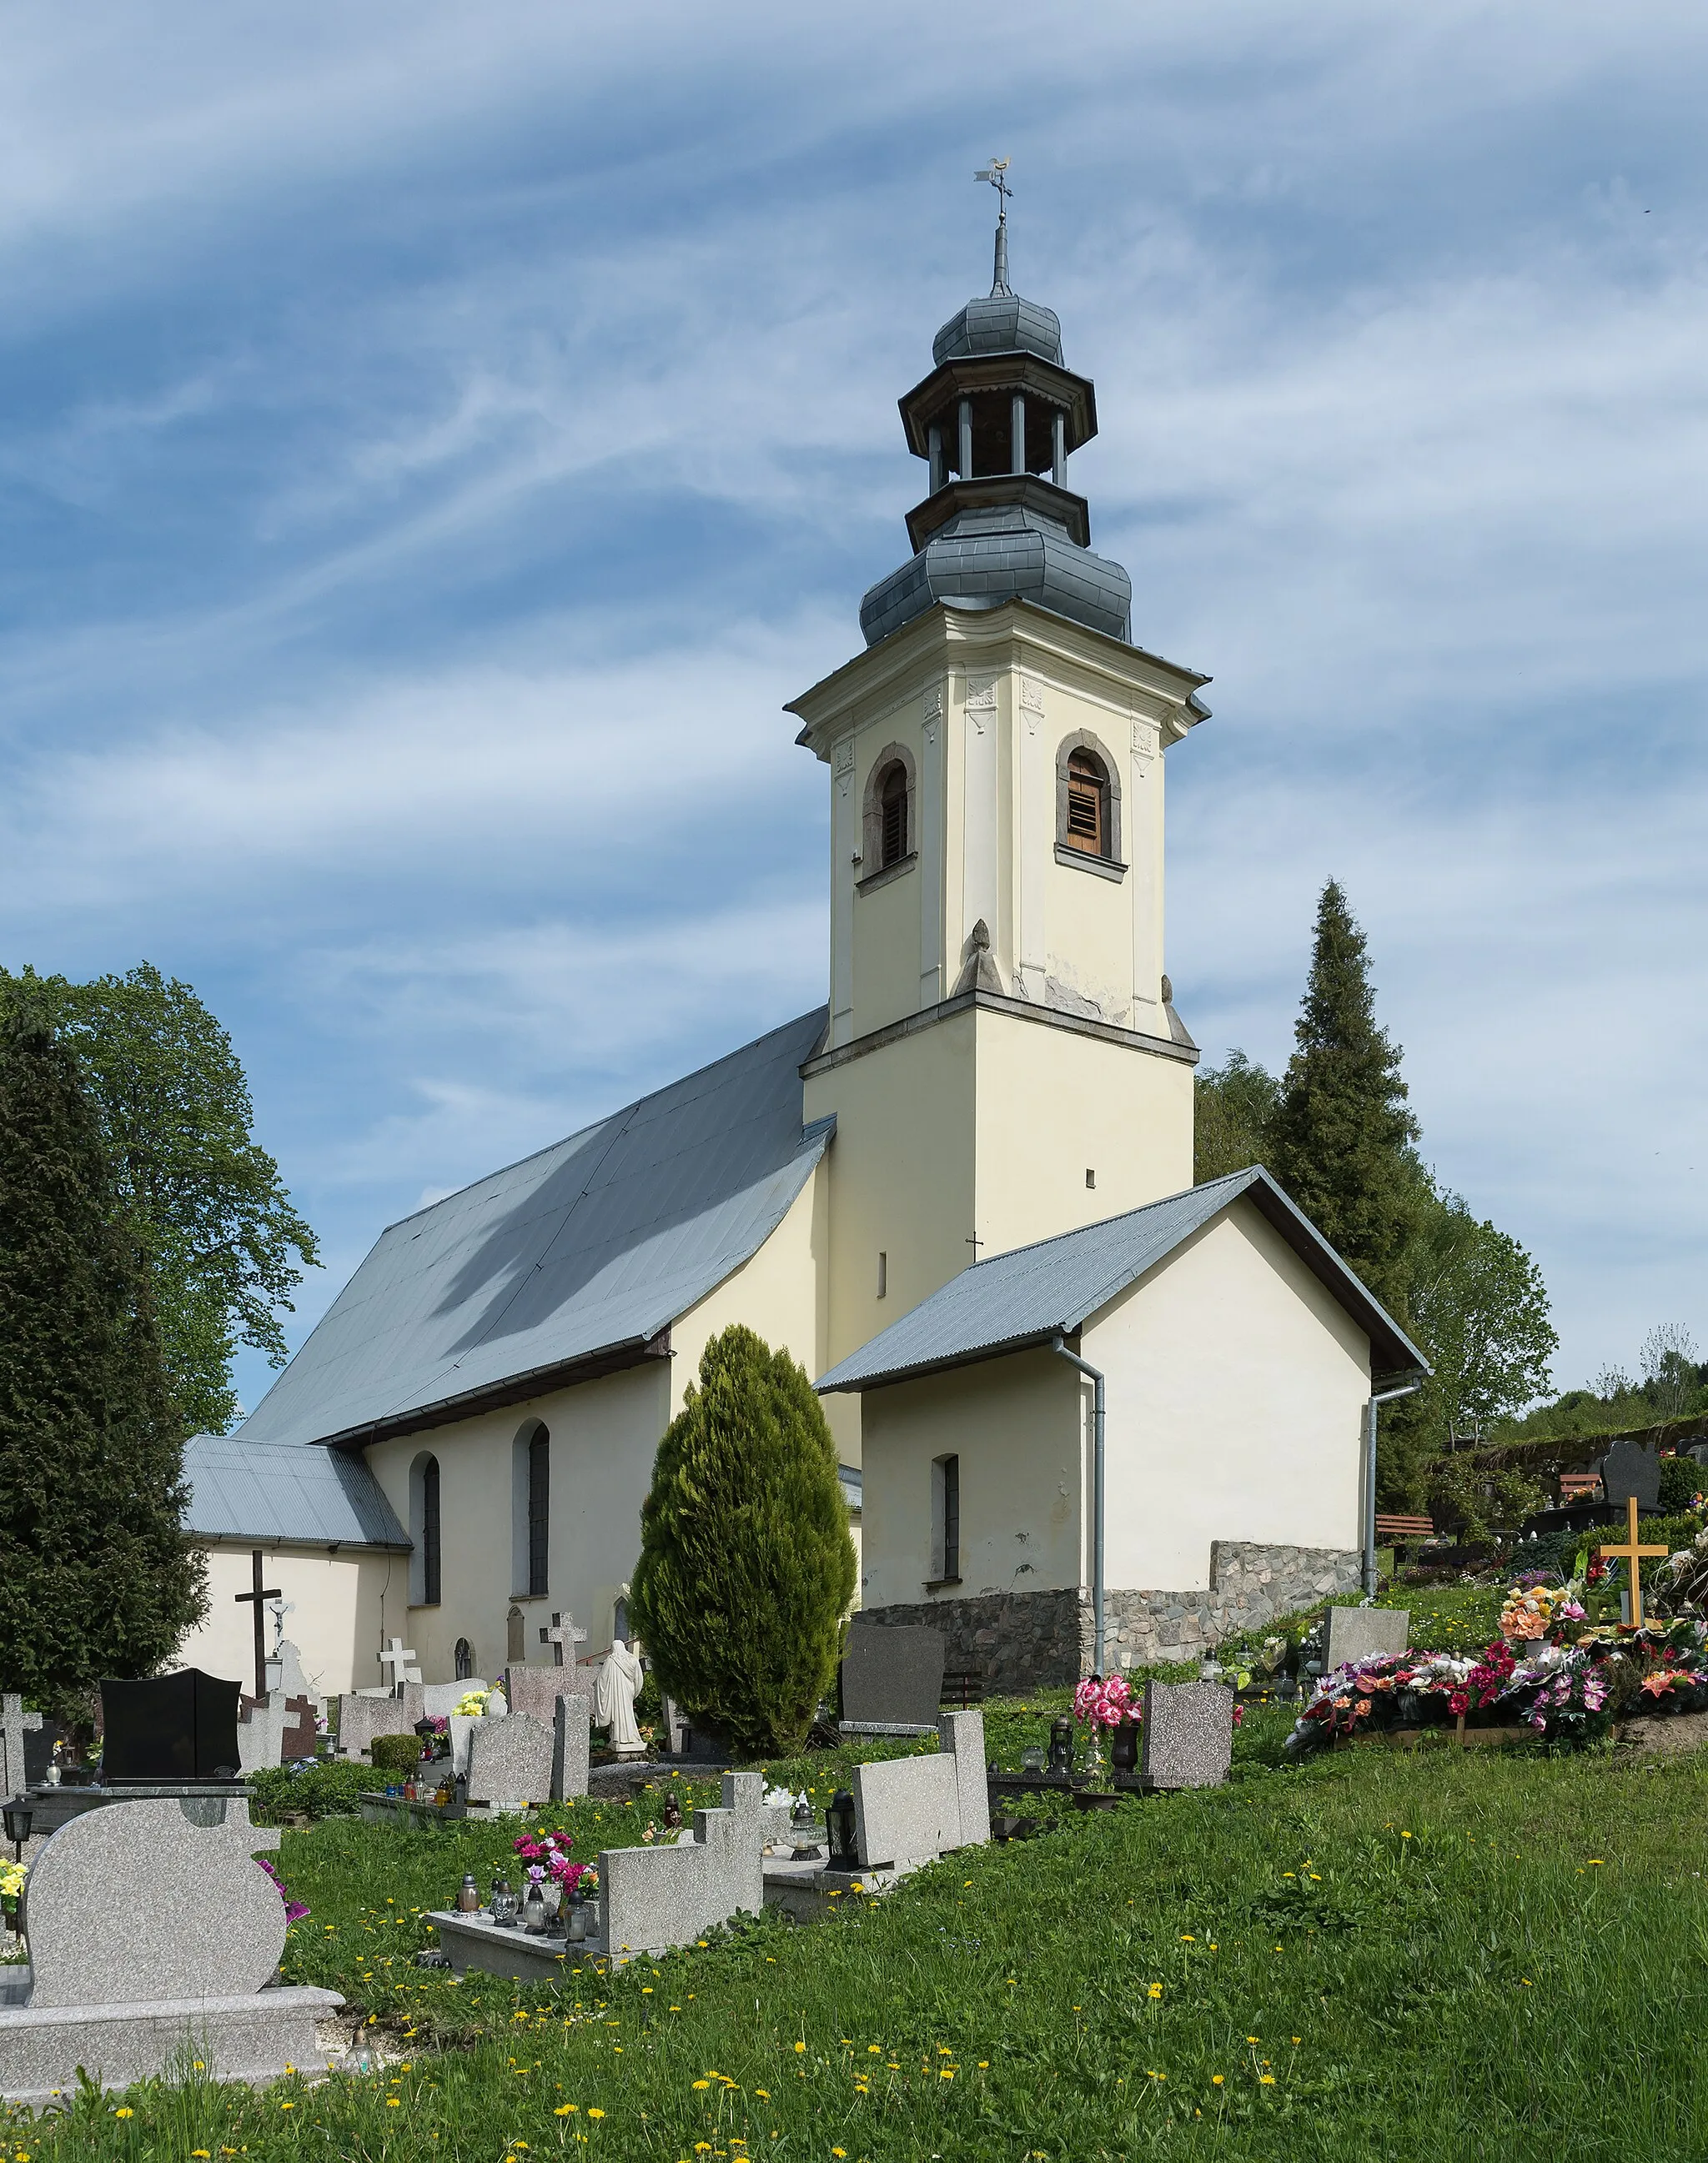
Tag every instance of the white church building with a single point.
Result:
(975, 1158)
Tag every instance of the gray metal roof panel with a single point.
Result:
(285, 1492)
(1032, 1293)
(602, 1240)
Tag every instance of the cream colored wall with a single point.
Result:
(1013, 1423)
(1236, 1388)
(887, 951)
(1052, 1104)
(782, 1292)
(901, 1175)
(604, 1439)
(344, 1604)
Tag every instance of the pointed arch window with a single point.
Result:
(463, 1660)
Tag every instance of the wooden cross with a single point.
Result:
(1630, 1552)
(259, 1593)
(15, 1723)
(562, 1632)
(397, 1659)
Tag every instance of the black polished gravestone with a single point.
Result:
(1629, 1469)
(169, 1727)
(890, 1680)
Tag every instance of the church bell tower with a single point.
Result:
(1004, 1060)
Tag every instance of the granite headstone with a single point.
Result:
(362, 1718)
(173, 1727)
(537, 1690)
(1629, 1469)
(670, 1894)
(571, 1742)
(1187, 1735)
(891, 1678)
(909, 1811)
(16, 1727)
(510, 1762)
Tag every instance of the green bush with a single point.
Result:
(1681, 1478)
(395, 1753)
(329, 1788)
(746, 1567)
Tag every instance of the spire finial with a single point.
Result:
(996, 173)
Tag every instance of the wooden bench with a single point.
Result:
(1578, 1487)
(962, 1693)
(1399, 1532)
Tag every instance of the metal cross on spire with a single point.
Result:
(996, 172)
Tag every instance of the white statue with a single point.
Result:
(613, 1695)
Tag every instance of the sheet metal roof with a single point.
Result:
(266, 1491)
(587, 1251)
(1030, 1295)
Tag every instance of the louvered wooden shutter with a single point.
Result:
(1085, 806)
(894, 838)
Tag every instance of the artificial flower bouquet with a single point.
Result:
(546, 1855)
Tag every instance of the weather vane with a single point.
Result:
(996, 172)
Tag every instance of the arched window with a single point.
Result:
(1088, 805)
(463, 1660)
(531, 1512)
(893, 816)
(424, 1571)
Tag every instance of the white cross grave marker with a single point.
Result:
(15, 1723)
(562, 1632)
(395, 1657)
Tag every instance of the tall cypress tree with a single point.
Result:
(747, 1566)
(1341, 1142)
(95, 1578)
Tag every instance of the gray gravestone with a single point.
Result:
(510, 1762)
(892, 1678)
(537, 1690)
(1629, 1469)
(15, 1723)
(439, 1701)
(1364, 1633)
(200, 1918)
(909, 1811)
(654, 1898)
(361, 1719)
(1188, 1734)
(260, 1734)
(571, 1741)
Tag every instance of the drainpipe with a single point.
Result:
(1085, 1367)
(1380, 1397)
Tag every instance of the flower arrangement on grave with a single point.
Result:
(12, 1877)
(1532, 1608)
(471, 1705)
(1104, 1703)
(295, 1909)
(545, 1855)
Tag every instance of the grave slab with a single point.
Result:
(1187, 1735)
(476, 1942)
(1363, 1633)
(909, 1811)
(510, 1762)
(251, 2037)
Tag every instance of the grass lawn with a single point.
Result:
(1381, 1955)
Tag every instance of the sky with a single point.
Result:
(427, 433)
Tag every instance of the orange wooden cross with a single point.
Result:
(1630, 1553)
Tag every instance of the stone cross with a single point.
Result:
(15, 1723)
(395, 1657)
(1630, 1553)
(562, 1632)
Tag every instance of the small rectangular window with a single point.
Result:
(882, 1275)
(1091, 1177)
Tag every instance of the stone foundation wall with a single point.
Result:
(1020, 1641)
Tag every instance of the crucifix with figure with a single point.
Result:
(562, 1632)
(1630, 1553)
(259, 1593)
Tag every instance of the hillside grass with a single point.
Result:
(1409, 1957)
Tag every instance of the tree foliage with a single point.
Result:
(747, 1566)
(220, 1234)
(1343, 1134)
(1480, 1308)
(95, 1578)
(1233, 1108)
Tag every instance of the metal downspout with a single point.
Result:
(1098, 1406)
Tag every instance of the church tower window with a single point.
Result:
(1088, 805)
(891, 825)
(893, 812)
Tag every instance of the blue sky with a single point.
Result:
(420, 428)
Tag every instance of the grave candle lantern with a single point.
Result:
(468, 1895)
(840, 1819)
(1061, 1746)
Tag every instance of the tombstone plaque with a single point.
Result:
(892, 1679)
(1187, 1735)
(510, 1762)
(1364, 1633)
(1631, 1472)
(169, 1727)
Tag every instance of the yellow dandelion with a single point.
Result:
(595, 2113)
(124, 2110)
(1217, 2079)
(798, 2048)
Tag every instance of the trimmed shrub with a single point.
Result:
(1681, 1478)
(746, 1567)
(395, 1753)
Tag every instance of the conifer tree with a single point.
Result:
(95, 1578)
(747, 1566)
(1341, 1140)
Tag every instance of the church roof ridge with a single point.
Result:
(1027, 1295)
(574, 1259)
